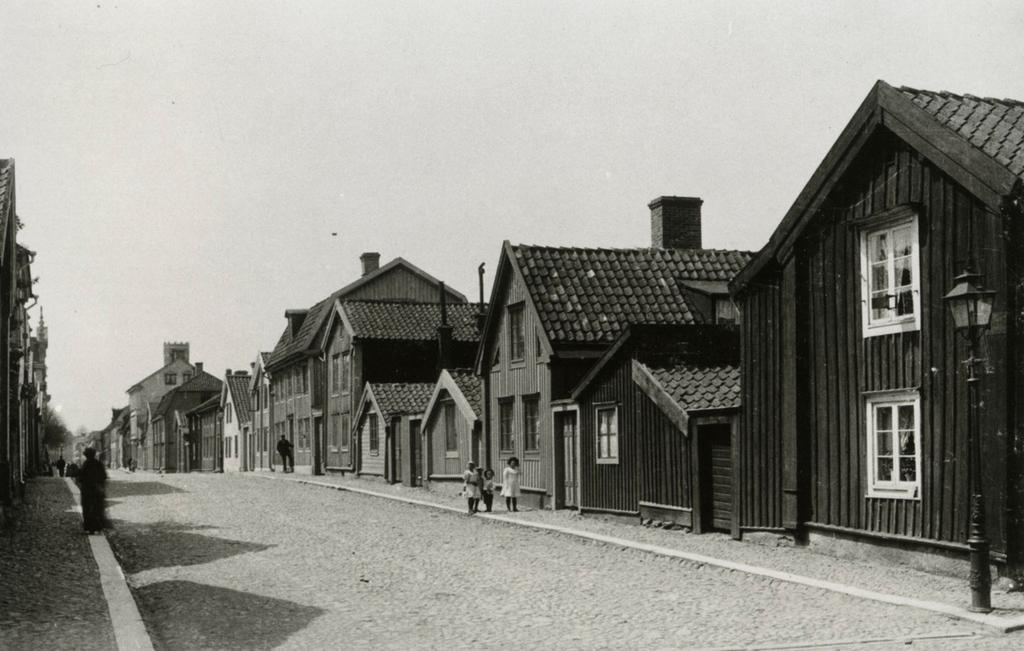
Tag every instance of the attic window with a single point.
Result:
(516, 332)
(725, 311)
(890, 278)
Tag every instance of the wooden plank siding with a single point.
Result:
(842, 367)
(372, 463)
(439, 462)
(514, 380)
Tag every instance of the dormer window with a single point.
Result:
(516, 332)
(725, 311)
(890, 278)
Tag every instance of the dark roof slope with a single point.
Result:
(410, 321)
(398, 398)
(470, 386)
(995, 126)
(206, 405)
(202, 382)
(591, 295)
(697, 387)
(238, 385)
(6, 183)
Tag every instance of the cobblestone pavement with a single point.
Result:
(50, 593)
(772, 552)
(222, 561)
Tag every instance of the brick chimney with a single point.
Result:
(371, 261)
(227, 372)
(675, 222)
(199, 368)
(295, 319)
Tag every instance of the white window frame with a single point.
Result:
(895, 488)
(614, 408)
(906, 323)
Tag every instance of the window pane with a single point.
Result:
(613, 446)
(885, 469)
(883, 418)
(902, 241)
(879, 306)
(907, 443)
(880, 247)
(905, 303)
(904, 273)
(908, 469)
(880, 277)
(906, 417)
(884, 447)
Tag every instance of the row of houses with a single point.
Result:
(815, 388)
(23, 389)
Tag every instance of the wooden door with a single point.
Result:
(396, 446)
(416, 445)
(716, 476)
(569, 441)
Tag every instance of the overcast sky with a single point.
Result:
(182, 165)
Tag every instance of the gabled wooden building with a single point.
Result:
(387, 341)
(656, 418)
(164, 424)
(452, 428)
(854, 396)
(259, 398)
(387, 424)
(236, 411)
(298, 383)
(206, 447)
(554, 311)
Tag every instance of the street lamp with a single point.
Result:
(971, 306)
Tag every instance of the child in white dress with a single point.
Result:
(510, 484)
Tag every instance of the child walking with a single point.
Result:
(510, 484)
(471, 483)
(487, 489)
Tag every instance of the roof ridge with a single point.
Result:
(620, 249)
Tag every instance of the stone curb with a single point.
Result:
(129, 629)
(999, 623)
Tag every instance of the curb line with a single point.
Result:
(1001, 624)
(129, 629)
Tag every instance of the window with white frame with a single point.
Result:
(891, 281)
(374, 435)
(451, 435)
(607, 434)
(894, 444)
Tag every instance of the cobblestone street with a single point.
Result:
(221, 561)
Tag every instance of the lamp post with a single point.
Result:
(971, 306)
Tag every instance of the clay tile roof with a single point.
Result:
(995, 126)
(398, 398)
(202, 382)
(238, 385)
(697, 387)
(410, 321)
(591, 295)
(470, 386)
(208, 405)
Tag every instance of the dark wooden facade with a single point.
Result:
(810, 370)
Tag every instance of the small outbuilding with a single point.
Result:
(385, 409)
(452, 426)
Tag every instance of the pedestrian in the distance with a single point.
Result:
(510, 484)
(61, 464)
(471, 484)
(92, 481)
(71, 470)
(487, 489)
(284, 448)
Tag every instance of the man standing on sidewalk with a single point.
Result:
(284, 448)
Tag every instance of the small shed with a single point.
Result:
(453, 426)
(388, 425)
(657, 415)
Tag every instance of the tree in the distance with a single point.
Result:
(55, 432)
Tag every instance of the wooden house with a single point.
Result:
(298, 385)
(144, 396)
(206, 447)
(236, 412)
(259, 398)
(387, 424)
(452, 429)
(555, 311)
(164, 423)
(387, 341)
(854, 396)
(656, 416)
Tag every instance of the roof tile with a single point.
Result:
(399, 398)
(410, 321)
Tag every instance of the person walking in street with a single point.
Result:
(510, 484)
(471, 484)
(61, 464)
(487, 489)
(284, 448)
(92, 482)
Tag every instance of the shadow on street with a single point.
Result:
(188, 615)
(141, 547)
(132, 488)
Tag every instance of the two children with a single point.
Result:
(477, 484)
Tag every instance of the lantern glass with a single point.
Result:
(960, 307)
(969, 303)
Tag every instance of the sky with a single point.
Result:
(182, 166)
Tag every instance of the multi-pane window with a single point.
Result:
(531, 425)
(894, 434)
(227, 413)
(516, 332)
(891, 278)
(335, 423)
(451, 437)
(346, 372)
(505, 437)
(607, 435)
(170, 378)
(335, 374)
(345, 431)
(304, 376)
(185, 377)
(725, 311)
(373, 426)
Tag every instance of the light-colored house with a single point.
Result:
(259, 397)
(237, 417)
(386, 410)
(452, 429)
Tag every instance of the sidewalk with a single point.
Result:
(50, 591)
(880, 582)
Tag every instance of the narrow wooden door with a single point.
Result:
(396, 443)
(569, 441)
(416, 444)
(716, 476)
